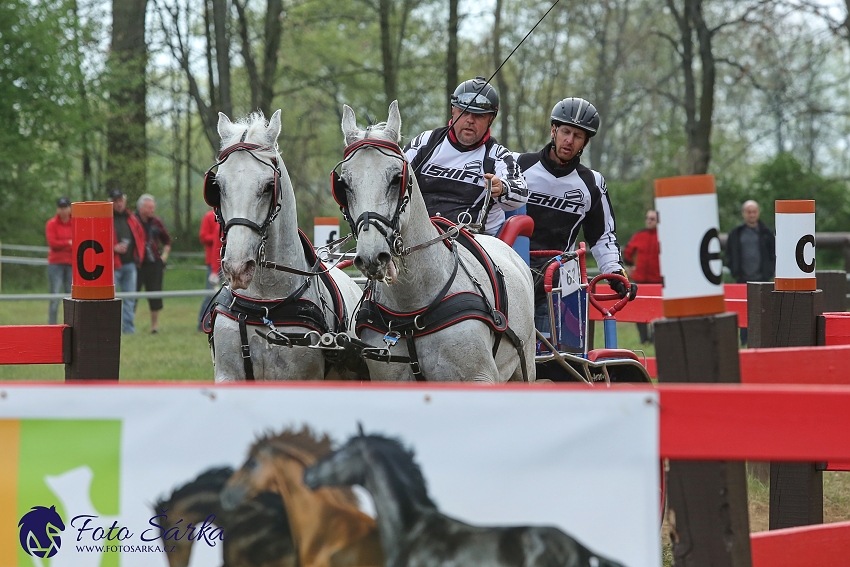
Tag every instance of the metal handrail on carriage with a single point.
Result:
(609, 364)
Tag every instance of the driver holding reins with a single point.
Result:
(565, 195)
(454, 163)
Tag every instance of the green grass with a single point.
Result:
(178, 352)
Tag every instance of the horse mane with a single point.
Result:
(406, 475)
(305, 441)
(255, 124)
(211, 480)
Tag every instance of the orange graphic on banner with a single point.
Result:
(694, 306)
(10, 434)
(795, 284)
(795, 206)
(684, 185)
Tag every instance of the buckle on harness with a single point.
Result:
(246, 351)
(391, 338)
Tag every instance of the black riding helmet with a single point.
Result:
(476, 96)
(576, 112)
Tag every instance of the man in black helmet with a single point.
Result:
(453, 164)
(564, 196)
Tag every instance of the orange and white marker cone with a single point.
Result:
(691, 265)
(795, 246)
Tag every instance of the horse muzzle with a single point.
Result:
(239, 274)
(380, 267)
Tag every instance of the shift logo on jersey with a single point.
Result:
(572, 201)
(39, 531)
(471, 172)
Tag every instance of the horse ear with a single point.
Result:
(360, 429)
(224, 125)
(394, 122)
(273, 131)
(349, 125)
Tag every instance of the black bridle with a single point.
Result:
(212, 192)
(389, 228)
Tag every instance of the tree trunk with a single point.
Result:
(222, 55)
(126, 137)
(501, 83)
(387, 56)
(273, 32)
(451, 55)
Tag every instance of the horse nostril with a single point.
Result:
(359, 263)
(384, 258)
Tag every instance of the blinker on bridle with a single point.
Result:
(212, 191)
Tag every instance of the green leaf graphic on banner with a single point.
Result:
(74, 465)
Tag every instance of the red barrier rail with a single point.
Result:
(726, 422)
(826, 545)
(35, 344)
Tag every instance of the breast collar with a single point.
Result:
(446, 309)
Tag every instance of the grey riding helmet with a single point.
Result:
(476, 96)
(576, 112)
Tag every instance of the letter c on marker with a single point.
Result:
(705, 257)
(801, 262)
(89, 275)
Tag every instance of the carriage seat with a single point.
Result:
(517, 225)
(516, 232)
(608, 353)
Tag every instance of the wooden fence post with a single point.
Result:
(707, 501)
(93, 312)
(833, 283)
(95, 339)
(796, 489)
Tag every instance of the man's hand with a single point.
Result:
(496, 186)
(622, 289)
(120, 248)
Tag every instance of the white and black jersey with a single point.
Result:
(452, 177)
(563, 199)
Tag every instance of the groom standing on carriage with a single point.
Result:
(455, 164)
(564, 196)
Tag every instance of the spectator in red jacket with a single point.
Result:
(641, 258)
(58, 232)
(129, 249)
(210, 236)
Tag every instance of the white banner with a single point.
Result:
(583, 463)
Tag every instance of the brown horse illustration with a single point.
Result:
(328, 527)
(257, 531)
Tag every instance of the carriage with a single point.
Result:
(563, 353)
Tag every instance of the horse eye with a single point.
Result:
(269, 187)
(397, 179)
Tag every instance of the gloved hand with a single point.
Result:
(622, 289)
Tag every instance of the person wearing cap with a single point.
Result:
(129, 249)
(454, 164)
(565, 196)
(58, 231)
(157, 249)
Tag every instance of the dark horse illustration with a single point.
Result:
(413, 531)
(257, 531)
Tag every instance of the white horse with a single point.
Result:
(265, 255)
(411, 270)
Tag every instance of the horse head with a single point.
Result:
(256, 475)
(373, 185)
(344, 467)
(248, 189)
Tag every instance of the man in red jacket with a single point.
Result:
(644, 268)
(129, 250)
(58, 232)
(210, 236)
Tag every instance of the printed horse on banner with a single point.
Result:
(414, 533)
(328, 527)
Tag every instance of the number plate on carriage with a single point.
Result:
(570, 278)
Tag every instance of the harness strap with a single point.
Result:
(415, 367)
(246, 349)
